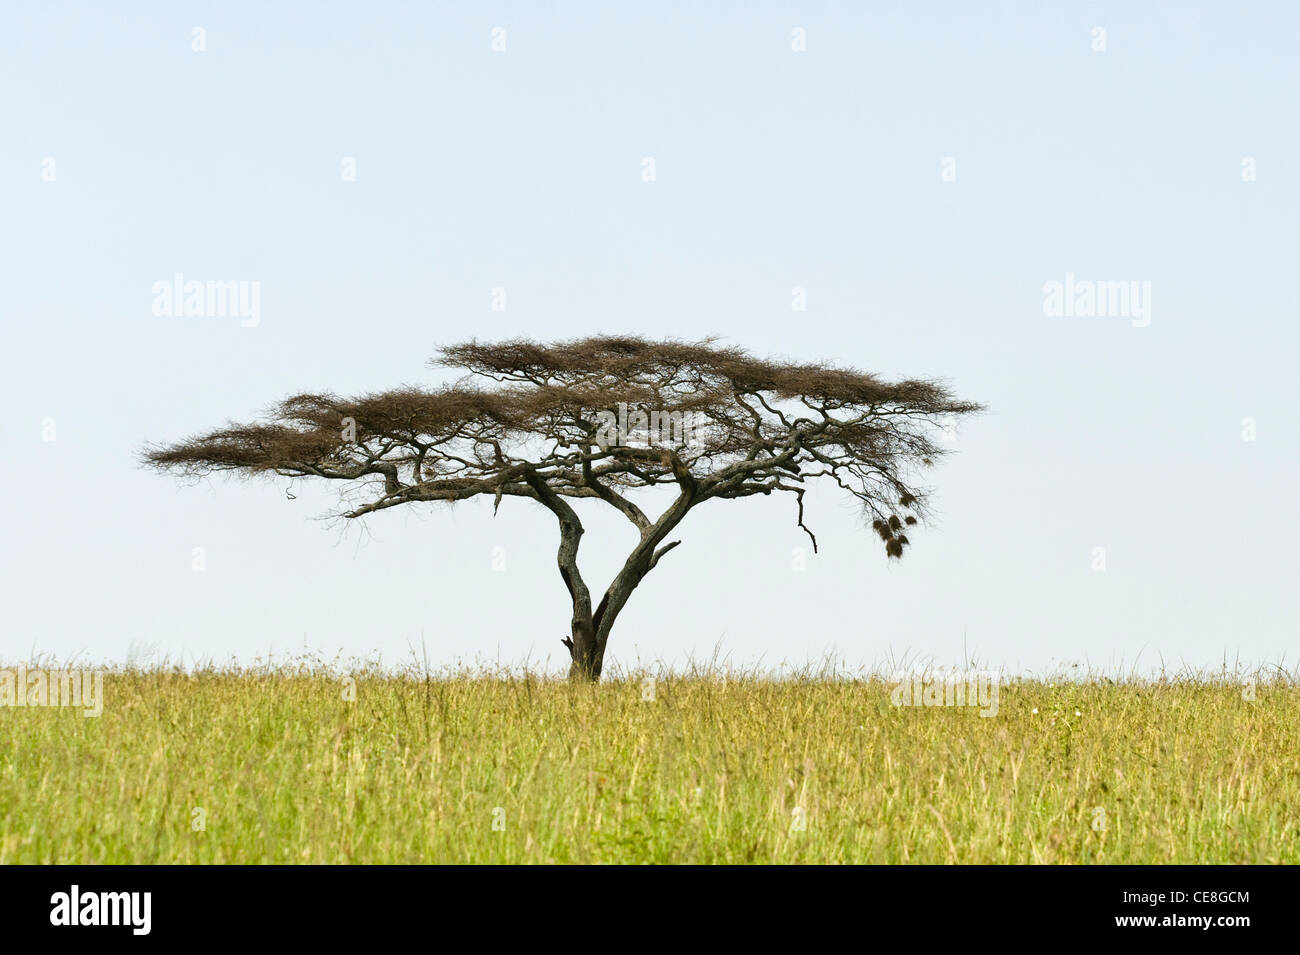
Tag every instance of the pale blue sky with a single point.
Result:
(775, 169)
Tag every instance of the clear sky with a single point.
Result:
(1170, 156)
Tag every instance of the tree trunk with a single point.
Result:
(585, 667)
(639, 563)
(582, 631)
(589, 632)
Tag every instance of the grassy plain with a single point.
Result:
(279, 766)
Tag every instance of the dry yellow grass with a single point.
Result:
(277, 767)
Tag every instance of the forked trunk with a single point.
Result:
(589, 632)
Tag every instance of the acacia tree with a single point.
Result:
(598, 419)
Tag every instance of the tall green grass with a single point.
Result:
(281, 768)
